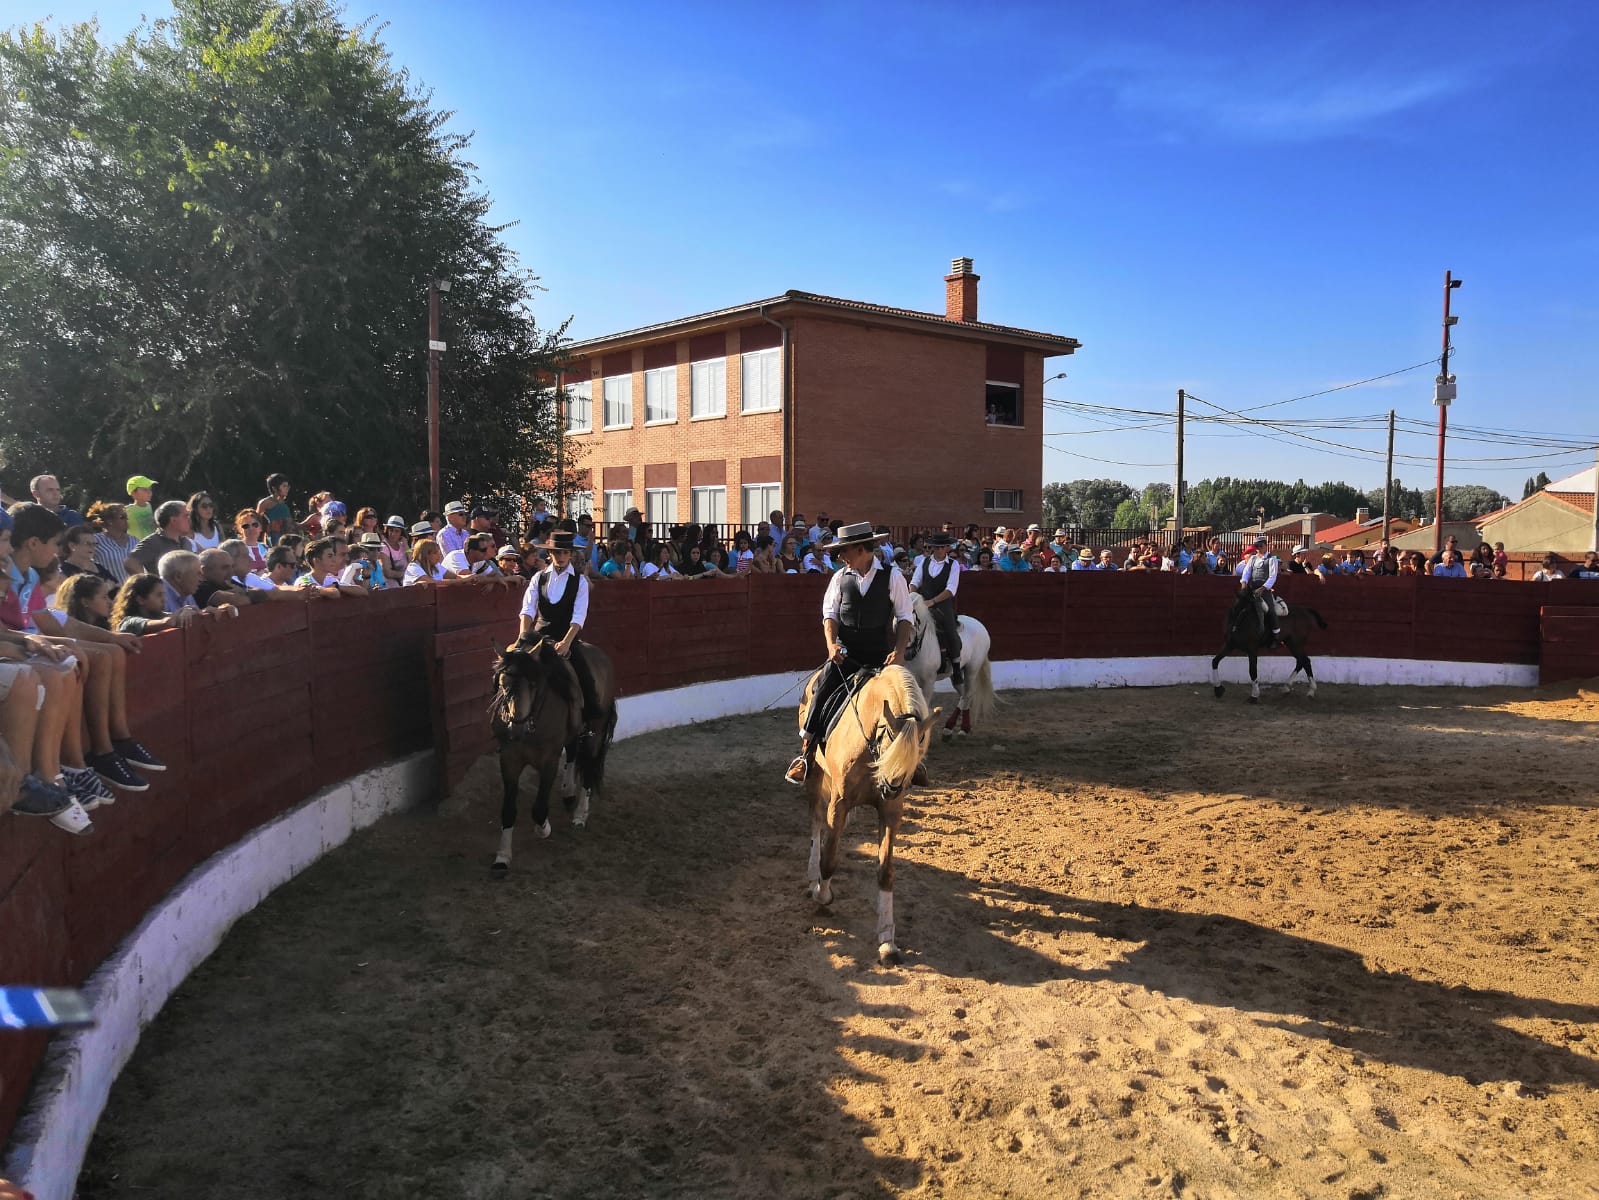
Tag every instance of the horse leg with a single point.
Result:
(1289, 686)
(1254, 678)
(831, 830)
(1310, 673)
(966, 719)
(1215, 675)
(510, 772)
(541, 802)
(888, 824)
(949, 725)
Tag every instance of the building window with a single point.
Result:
(708, 505)
(580, 407)
(660, 506)
(618, 401)
(759, 500)
(708, 388)
(763, 380)
(998, 500)
(1004, 403)
(660, 395)
(580, 504)
(616, 506)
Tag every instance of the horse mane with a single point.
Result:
(540, 666)
(899, 757)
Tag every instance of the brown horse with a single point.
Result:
(868, 761)
(537, 718)
(1246, 632)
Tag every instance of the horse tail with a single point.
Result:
(899, 758)
(1317, 615)
(983, 698)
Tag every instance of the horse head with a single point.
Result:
(519, 675)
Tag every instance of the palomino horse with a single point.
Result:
(1245, 631)
(974, 698)
(870, 756)
(537, 718)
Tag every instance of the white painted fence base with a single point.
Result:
(179, 933)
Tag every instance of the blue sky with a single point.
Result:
(1251, 201)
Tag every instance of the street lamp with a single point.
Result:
(435, 348)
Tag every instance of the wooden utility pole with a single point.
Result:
(1388, 485)
(560, 444)
(1177, 492)
(1443, 394)
(435, 348)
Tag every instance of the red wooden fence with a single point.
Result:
(255, 714)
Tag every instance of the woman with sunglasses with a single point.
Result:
(250, 525)
(207, 532)
(395, 552)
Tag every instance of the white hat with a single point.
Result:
(1034, 529)
(1301, 549)
(454, 506)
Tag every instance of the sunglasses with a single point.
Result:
(250, 525)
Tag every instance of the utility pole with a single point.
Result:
(1177, 492)
(435, 348)
(560, 444)
(1388, 485)
(1443, 394)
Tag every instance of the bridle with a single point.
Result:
(516, 728)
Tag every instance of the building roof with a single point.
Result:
(1579, 501)
(1295, 521)
(1348, 529)
(1582, 481)
(1049, 343)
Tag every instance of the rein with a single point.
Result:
(516, 727)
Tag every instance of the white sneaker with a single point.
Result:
(86, 787)
(73, 820)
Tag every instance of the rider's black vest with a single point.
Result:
(932, 584)
(865, 618)
(555, 617)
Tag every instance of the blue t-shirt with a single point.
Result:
(1454, 572)
(70, 516)
(1013, 562)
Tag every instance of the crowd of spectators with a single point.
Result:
(79, 590)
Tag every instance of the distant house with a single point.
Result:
(1422, 537)
(1296, 527)
(1365, 530)
(816, 403)
(1558, 518)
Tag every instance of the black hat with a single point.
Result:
(561, 539)
(939, 539)
(484, 510)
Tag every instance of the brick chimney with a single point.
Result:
(960, 291)
(1363, 515)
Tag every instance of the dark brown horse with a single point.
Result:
(1245, 632)
(537, 718)
(870, 758)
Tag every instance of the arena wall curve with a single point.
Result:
(295, 724)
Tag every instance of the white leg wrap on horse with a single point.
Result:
(543, 830)
(504, 853)
(580, 814)
(813, 869)
(1215, 677)
(885, 920)
(1254, 688)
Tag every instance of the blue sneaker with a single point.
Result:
(133, 753)
(117, 773)
(36, 798)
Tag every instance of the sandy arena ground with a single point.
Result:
(1138, 964)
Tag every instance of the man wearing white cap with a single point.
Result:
(867, 619)
(454, 534)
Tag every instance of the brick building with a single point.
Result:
(806, 402)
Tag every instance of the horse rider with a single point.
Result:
(555, 606)
(936, 578)
(867, 621)
(1258, 576)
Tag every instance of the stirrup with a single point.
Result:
(804, 766)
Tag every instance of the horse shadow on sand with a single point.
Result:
(965, 928)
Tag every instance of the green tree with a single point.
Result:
(1462, 502)
(1129, 515)
(1084, 503)
(216, 237)
(1535, 483)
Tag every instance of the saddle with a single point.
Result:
(839, 701)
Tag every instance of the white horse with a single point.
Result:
(975, 696)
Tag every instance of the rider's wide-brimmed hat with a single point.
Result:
(560, 539)
(860, 533)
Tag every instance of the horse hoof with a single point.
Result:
(580, 824)
(1254, 699)
(500, 870)
(543, 830)
(948, 733)
(1218, 689)
(822, 893)
(888, 954)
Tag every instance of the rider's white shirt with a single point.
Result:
(953, 583)
(554, 589)
(898, 590)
